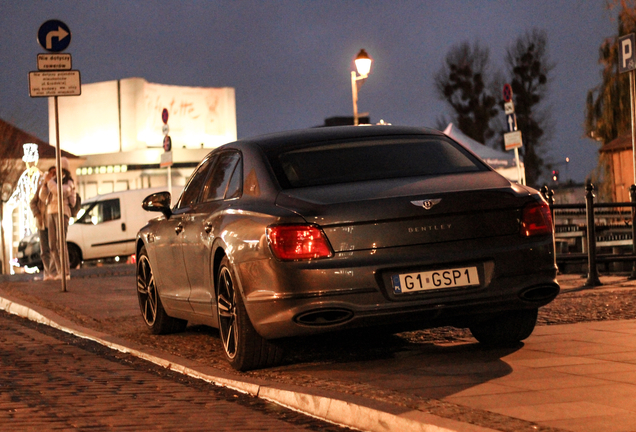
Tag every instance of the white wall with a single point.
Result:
(90, 123)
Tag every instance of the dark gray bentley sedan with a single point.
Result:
(328, 229)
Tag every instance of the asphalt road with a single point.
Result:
(50, 380)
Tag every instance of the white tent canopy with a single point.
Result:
(502, 162)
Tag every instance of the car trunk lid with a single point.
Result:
(401, 212)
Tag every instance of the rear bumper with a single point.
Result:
(353, 289)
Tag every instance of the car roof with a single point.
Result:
(337, 133)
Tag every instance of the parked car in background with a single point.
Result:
(105, 227)
(326, 229)
(29, 251)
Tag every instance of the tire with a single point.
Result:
(152, 310)
(244, 348)
(74, 256)
(507, 328)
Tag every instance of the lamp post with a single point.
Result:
(363, 66)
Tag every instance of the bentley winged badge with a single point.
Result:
(427, 204)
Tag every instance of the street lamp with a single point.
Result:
(363, 66)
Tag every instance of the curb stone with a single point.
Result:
(325, 408)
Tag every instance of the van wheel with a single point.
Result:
(152, 310)
(74, 256)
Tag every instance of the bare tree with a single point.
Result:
(465, 82)
(528, 66)
(10, 155)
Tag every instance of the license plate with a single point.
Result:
(436, 279)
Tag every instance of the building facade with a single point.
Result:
(117, 127)
(113, 135)
(620, 160)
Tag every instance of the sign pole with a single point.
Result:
(518, 166)
(166, 157)
(60, 197)
(512, 139)
(55, 78)
(627, 63)
(632, 101)
(631, 105)
(170, 182)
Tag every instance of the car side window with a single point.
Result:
(192, 191)
(235, 188)
(217, 183)
(101, 212)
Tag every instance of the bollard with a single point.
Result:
(550, 199)
(632, 198)
(548, 195)
(592, 270)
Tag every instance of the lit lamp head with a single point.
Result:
(363, 63)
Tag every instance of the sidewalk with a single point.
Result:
(576, 377)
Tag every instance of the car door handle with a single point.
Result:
(208, 227)
(123, 226)
(178, 228)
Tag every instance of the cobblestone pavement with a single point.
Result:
(50, 380)
(614, 301)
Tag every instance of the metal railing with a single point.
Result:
(616, 232)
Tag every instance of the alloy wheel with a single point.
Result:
(226, 302)
(146, 291)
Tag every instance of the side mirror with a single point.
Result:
(158, 202)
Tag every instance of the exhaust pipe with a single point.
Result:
(324, 317)
(540, 293)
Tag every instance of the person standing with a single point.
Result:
(38, 208)
(49, 193)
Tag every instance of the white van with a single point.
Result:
(106, 225)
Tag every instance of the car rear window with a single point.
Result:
(371, 160)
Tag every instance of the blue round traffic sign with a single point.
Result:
(54, 36)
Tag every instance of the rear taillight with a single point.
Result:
(536, 220)
(298, 242)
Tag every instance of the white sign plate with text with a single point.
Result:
(47, 62)
(55, 83)
(512, 140)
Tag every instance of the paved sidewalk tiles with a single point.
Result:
(575, 377)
